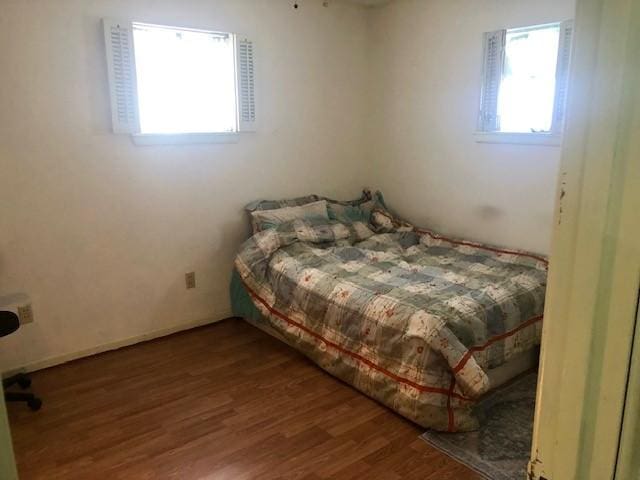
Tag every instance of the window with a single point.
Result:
(525, 80)
(186, 80)
(170, 82)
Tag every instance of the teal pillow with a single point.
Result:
(350, 213)
(358, 210)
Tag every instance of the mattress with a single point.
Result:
(516, 366)
(418, 321)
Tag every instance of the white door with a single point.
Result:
(7, 462)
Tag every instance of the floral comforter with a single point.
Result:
(412, 319)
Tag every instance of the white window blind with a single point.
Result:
(492, 76)
(246, 84)
(121, 69)
(177, 81)
(562, 75)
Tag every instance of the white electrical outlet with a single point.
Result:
(25, 313)
(20, 304)
(190, 280)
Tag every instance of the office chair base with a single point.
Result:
(21, 379)
(24, 382)
(33, 402)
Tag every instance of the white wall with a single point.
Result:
(426, 62)
(100, 232)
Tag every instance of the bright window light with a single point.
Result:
(527, 89)
(185, 80)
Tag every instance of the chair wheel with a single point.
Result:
(24, 382)
(34, 404)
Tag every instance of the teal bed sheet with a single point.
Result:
(241, 304)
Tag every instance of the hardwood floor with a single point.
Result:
(224, 401)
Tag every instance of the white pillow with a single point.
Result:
(263, 219)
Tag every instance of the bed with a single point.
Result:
(422, 323)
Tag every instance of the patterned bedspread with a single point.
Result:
(411, 319)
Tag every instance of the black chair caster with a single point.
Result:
(34, 404)
(9, 323)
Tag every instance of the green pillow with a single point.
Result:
(358, 210)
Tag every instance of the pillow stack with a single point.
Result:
(263, 219)
(369, 209)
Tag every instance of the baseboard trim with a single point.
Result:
(115, 345)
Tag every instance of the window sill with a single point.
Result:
(548, 139)
(184, 138)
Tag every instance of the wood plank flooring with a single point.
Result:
(224, 401)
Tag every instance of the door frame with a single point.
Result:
(7, 460)
(594, 272)
(629, 453)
